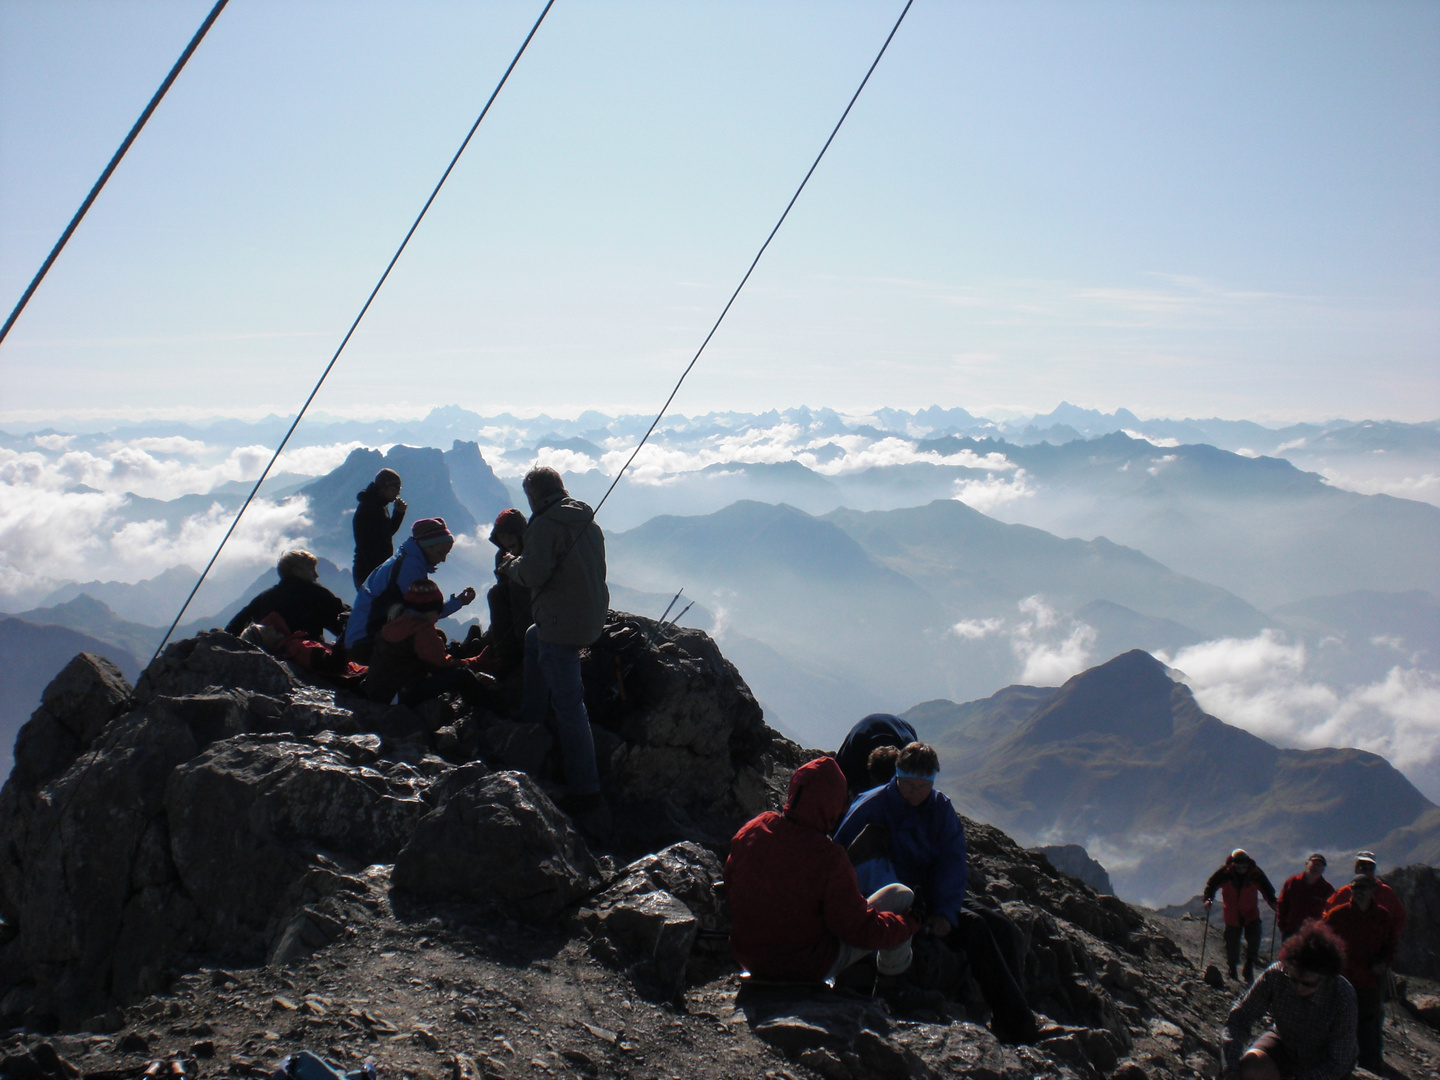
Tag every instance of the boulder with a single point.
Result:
(499, 840)
(1418, 888)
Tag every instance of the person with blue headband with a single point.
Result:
(914, 836)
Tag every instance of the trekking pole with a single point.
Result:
(1273, 924)
(1204, 940)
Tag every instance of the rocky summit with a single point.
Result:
(231, 861)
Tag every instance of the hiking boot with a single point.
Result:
(903, 996)
(1230, 974)
(1248, 974)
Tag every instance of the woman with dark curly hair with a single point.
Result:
(1312, 1014)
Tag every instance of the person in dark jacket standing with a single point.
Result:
(563, 566)
(1369, 936)
(924, 849)
(375, 525)
(876, 730)
(1240, 884)
(797, 911)
(305, 605)
(1303, 896)
(509, 601)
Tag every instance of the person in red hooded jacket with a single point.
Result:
(1241, 884)
(797, 911)
(1368, 932)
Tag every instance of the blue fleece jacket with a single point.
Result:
(413, 566)
(927, 844)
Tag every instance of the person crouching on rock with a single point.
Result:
(924, 849)
(299, 599)
(1240, 884)
(1312, 1014)
(409, 662)
(419, 557)
(797, 912)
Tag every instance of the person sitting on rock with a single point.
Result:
(924, 849)
(509, 601)
(877, 729)
(1240, 884)
(1369, 936)
(798, 914)
(409, 663)
(374, 525)
(1384, 895)
(1303, 896)
(306, 606)
(1312, 1014)
(882, 764)
(419, 557)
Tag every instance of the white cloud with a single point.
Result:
(1262, 684)
(1153, 440)
(1423, 488)
(975, 629)
(993, 491)
(1049, 660)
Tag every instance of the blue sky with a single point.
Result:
(1186, 209)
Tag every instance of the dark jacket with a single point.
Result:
(563, 566)
(792, 891)
(375, 527)
(1369, 938)
(1240, 892)
(306, 606)
(876, 730)
(509, 607)
(1301, 901)
(927, 844)
(407, 649)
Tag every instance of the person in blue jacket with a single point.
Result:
(419, 557)
(919, 842)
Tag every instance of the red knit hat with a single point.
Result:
(429, 531)
(424, 595)
(509, 521)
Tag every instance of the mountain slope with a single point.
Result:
(1122, 760)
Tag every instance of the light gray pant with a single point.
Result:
(893, 898)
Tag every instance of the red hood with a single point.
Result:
(817, 794)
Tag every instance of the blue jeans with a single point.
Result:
(552, 677)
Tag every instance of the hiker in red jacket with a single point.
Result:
(1240, 883)
(1369, 936)
(1303, 896)
(797, 912)
(1384, 895)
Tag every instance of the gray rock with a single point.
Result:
(88, 693)
(523, 747)
(649, 930)
(498, 840)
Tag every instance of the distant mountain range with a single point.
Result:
(1121, 760)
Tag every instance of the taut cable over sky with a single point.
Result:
(349, 333)
(110, 168)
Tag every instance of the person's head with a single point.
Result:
(1362, 891)
(1240, 860)
(424, 598)
(1311, 955)
(1365, 863)
(508, 532)
(434, 539)
(1315, 867)
(387, 484)
(881, 763)
(915, 769)
(540, 483)
(298, 564)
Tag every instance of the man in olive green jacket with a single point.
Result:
(563, 564)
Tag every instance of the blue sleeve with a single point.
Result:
(411, 571)
(862, 813)
(951, 876)
(452, 605)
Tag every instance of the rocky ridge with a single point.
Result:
(229, 861)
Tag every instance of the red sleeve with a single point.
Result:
(851, 919)
(430, 648)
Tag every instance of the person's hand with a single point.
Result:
(467, 595)
(401, 505)
(939, 925)
(1207, 906)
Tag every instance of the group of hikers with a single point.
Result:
(548, 602)
(1325, 995)
(866, 858)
